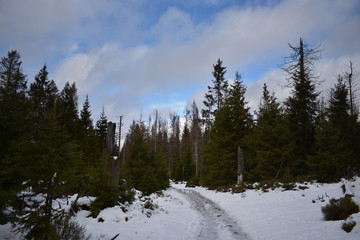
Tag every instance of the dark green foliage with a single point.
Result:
(339, 209)
(43, 94)
(301, 106)
(271, 142)
(216, 94)
(101, 127)
(232, 123)
(68, 107)
(14, 124)
(52, 172)
(60, 227)
(85, 116)
(144, 169)
(348, 226)
(335, 134)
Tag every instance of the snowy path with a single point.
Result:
(216, 223)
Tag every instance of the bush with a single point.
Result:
(348, 226)
(67, 229)
(339, 209)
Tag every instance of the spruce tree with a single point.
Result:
(51, 167)
(174, 161)
(196, 138)
(43, 94)
(14, 125)
(216, 94)
(101, 127)
(270, 142)
(337, 139)
(68, 107)
(143, 169)
(85, 116)
(301, 106)
(232, 124)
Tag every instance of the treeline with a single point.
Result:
(303, 137)
(50, 149)
(48, 146)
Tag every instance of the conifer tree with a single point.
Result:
(51, 170)
(187, 162)
(43, 94)
(232, 124)
(271, 142)
(85, 116)
(301, 106)
(216, 94)
(14, 125)
(174, 161)
(68, 107)
(143, 169)
(101, 127)
(196, 138)
(337, 139)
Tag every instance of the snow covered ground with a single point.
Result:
(198, 213)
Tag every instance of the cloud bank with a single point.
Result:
(134, 56)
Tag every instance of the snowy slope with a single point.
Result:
(179, 214)
(287, 214)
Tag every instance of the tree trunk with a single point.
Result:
(240, 172)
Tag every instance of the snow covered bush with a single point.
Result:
(339, 209)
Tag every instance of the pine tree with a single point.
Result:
(174, 161)
(270, 142)
(101, 127)
(337, 139)
(196, 138)
(85, 116)
(68, 107)
(51, 170)
(43, 94)
(232, 123)
(187, 162)
(143, 169)
(301, 106)
(216, 94)
(14, 125)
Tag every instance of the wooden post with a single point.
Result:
(240, 171)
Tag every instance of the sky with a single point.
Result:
(133, 57)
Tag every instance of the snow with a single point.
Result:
(271, 215)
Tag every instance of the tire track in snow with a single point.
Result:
(216, 224)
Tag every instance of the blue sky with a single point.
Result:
(135, 56)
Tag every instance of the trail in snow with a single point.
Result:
(216, 223)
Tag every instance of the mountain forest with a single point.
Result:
(51, 146)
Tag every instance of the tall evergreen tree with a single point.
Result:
(270, 142)
(14, 124)
(143, 169)
(232, 124)
(334, 133)
(101, 127)
(301, 106)
(68, 106)
(85, 116)
(43, 94)
(216, 94)
(174, 160)
(196, 138)
(51, 170)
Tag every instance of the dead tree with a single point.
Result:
(240, 171)
(110, 138)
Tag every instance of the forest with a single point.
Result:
(50, 147)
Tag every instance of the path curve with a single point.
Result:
(216, 224)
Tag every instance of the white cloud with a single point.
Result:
(111, 57)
